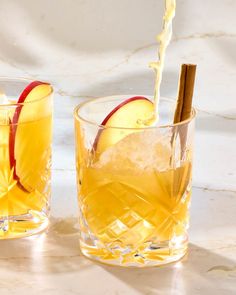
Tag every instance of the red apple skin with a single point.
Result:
(13, 125)
(112, 113)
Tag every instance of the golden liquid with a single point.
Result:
(24, 199)
(164, 40)
(128, 207)
(129, 210)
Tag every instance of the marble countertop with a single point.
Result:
(115, 62)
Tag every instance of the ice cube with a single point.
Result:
(146, 150)
(4, 112)
(3, 98)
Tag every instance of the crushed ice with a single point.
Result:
(3, 98)
(145, 150)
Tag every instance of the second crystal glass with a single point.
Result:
(134, 186)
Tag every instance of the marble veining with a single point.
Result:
(225, 270)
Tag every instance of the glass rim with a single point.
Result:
(82, 104)
(22, 79)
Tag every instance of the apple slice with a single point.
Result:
(22, 133)
(134, 112)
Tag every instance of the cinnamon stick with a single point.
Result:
(185, 94)
(184, 105)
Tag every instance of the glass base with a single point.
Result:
(12, 227)
(147, 256)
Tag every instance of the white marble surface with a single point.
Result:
(95, 48)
